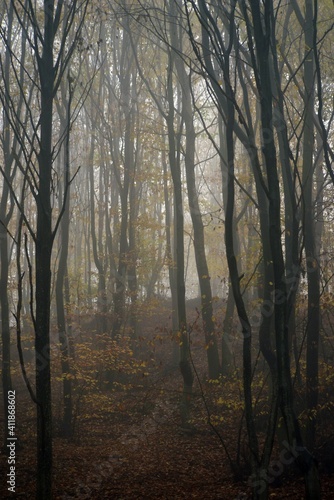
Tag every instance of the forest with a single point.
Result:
(166, 260)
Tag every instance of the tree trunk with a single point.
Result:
(62, 274)
(312, 259)
(196, 216)
(44, 241)
(170, 261)
(127, 103)
(96, 241)
(174, 162)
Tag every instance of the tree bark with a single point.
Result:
(175, 167)
(195, 212)
(44, 241)
(263, 23)
(229, 118)
(312, 259)
(62, 275)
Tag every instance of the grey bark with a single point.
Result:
(62, 295)
(312, 259)
(195, 212)
(263, 23)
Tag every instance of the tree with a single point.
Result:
(48, 31)
(260, 27)
(187, 114)
(62, 289)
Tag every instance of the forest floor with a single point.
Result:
(129, 444)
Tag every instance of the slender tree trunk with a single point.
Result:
(196, 216)
(61, 295)
(132, 274)
(185, 364)
(170, 260)
(229, 313)
(44, 242)
(133, 212)
(102, 250)
(96, 241)
(127, 82)
(119, 296)
(227, 336)
(312, 259)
